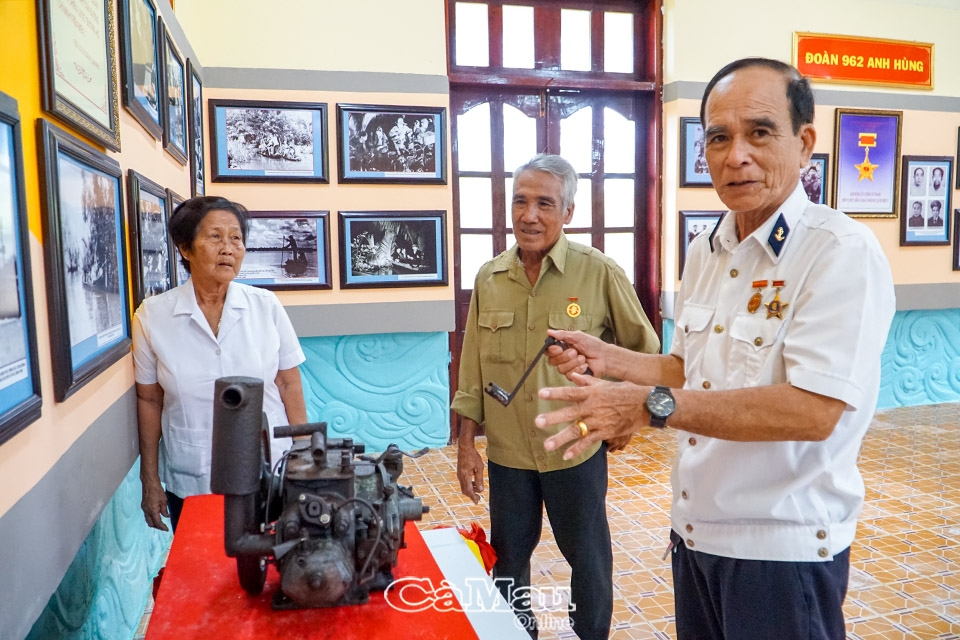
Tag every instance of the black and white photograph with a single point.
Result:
(195, 103)
(694, 171)
(140, 63)
(392, 249)
(287, 250)
(85, 249)
(268, 141)
(693, 224)
(925, 200)
(174, 100)
(813, 177)
(391, 144)
(19, 372)
(150, 246)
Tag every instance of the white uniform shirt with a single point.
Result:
(173, 345)
(790, 501)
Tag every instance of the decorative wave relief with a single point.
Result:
(921, 362)
(380, 388)
(105, 590)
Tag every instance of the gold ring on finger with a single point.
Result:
(583, 428)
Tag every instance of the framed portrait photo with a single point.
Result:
(392, 249)
(20, 397)
(867, 162)
(85, 257)
(195, 121)
(78, 49)
(925, 200)
(174, 99)
(693, 224)
(693, 160)
(814, 178)
(397, 145)
(268, 141)
(140, 63)
(287, 250)
(151, 250)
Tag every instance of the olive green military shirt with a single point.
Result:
(507, 325)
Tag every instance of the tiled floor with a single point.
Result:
(905, 563)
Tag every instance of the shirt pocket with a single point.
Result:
(188, 451)
(561, 320)
(498, 340)
(691, 331)
(752, 338)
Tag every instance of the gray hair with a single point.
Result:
(557, 167)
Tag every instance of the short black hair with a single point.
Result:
(935, 169)
(799, 93)
(189, 215)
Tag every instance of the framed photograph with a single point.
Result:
(392, 249)
(693, 160)
(140, 63)
(956, 240)
(150, 245)
(401, 145)
(693, 224)
(867, 162)
(174, 100)
(78, 50)
(180, 274)
(85, 257)
(287, 250)
(195, 121)
(925, 200)
(20, 398)
(268, 141)
(814, 178)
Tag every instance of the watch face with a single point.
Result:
(660, 404)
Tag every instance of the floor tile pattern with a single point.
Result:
(905, 562)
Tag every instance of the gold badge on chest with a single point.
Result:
(573, 309)
(775, 308)
(756, 299)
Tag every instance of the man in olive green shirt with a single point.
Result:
(544, 282)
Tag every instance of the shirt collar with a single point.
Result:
(557, 255)
(187, 299)
(786, 216)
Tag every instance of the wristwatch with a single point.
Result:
(660, 405)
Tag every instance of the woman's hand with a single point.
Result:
(154, 503)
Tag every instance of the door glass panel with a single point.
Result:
(617, 42)
(618, 202)
(473, 42)
(582, 238)
(519, 137)
(619, 144)
(517, 37)
(508, 198)
(473, 138)
(474, 251)
(583, 209)
(574, 40)
(619, 246)
(476, 208)
(576, 140)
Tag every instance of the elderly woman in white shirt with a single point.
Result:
(186, 338)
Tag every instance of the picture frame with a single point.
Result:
(287, 250)
(180, 274)
(391, 144)
(174, 100)
(956, 239)
(85, 258)
(958, 157)
(692, 224)
(140, 63)
(814, 178)
(694, 171)
(195, 108)
(392, 249)
(866, 169)
(925, 200)
(20, 393)
(78, 67)
(151, 249)
(263, 141)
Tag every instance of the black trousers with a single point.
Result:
(721, 598)
(174, 507)
(575, 499)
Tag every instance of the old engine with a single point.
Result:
(330, 518)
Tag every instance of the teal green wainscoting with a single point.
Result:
(920, 363)
(105, 590)
(380, 388)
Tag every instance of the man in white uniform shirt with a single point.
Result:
(771, 381)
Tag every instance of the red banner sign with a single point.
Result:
(855, 60)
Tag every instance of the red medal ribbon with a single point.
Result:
(759, 284)
(778, 283)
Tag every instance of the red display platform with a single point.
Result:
(200, 595)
